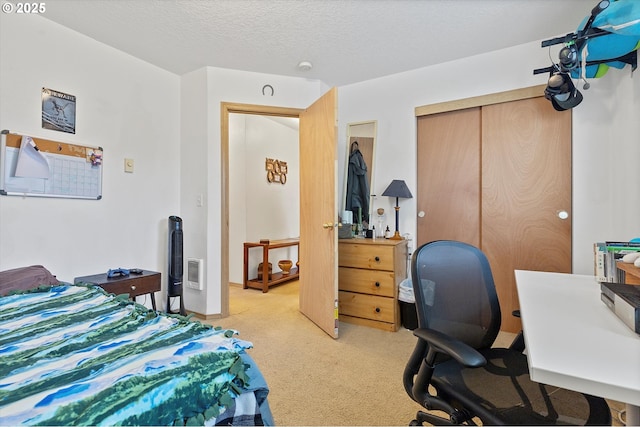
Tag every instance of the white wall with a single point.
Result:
(260, 209)
(125, 105)
(606, 146)
(194, 180)
(606, 176)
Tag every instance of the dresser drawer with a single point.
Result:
(377, 257)
(372, 307)
(133, 286)
(375, 282)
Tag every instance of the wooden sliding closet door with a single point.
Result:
(449, 176)
(498, 176)
(526, 184)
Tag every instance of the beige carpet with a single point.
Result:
(316, 380)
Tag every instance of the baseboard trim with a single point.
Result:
(205, 316)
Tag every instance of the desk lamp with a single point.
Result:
(397, 188)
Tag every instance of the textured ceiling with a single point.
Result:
(346, 40)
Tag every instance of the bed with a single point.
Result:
(75, 355)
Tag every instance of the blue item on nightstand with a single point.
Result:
(117, 272)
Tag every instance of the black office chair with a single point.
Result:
(453, 367)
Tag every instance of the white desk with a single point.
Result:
(574, 341)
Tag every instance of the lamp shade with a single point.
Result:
(398, 188)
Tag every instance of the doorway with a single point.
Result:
(318, 296)
(226, 109)
(264, 187)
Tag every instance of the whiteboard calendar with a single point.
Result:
(32, 166)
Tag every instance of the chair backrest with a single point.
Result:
(455, 293)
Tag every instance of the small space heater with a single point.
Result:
(175, 269)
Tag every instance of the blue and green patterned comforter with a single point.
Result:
(74, 355)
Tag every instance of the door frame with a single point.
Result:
(227, 108)
(480, 101)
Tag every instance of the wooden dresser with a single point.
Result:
(369, 273)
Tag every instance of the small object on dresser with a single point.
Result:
(135, 271)
(344, 231)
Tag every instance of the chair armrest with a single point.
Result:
(464, 354)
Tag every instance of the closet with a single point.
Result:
(495, 172)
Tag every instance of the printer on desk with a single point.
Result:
(624, 301)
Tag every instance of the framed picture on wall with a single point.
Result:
(58, 111)
(276, 170)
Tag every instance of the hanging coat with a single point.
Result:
(357, 185)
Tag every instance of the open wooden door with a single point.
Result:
(319, 213)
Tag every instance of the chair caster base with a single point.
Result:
(425, 417)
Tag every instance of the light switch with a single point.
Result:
(128, 165)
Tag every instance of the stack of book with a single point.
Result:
(606, 255)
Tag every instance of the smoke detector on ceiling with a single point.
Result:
(305, 66)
